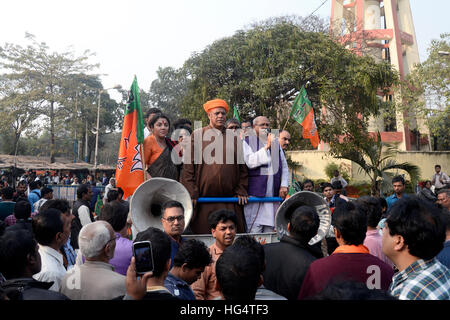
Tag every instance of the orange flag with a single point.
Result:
(130, 169)
(303, 113)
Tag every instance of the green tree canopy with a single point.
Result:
(426, 91)
(262, 68)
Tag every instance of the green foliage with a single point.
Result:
(426, 93)
(377, 160)
(332, 167)
(48, 98)
(168, 90)
(261, 69)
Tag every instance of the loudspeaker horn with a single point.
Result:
(304, 198)
(148, 199)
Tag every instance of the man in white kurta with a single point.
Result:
(260, 216)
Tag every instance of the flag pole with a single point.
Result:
(144, 165)
(286, 122)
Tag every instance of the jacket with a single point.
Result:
(286, 264)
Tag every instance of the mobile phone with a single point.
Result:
(143, 255)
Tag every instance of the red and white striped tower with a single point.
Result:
(385, 30)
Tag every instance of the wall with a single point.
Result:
(314, 163)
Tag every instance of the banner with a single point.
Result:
(130, 168)
(236, 114)
(303, 113)
(98, 206)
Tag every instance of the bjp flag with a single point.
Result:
(130, 168)
(303, 113)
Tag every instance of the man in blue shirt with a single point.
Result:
(398, 183)
(190, 261)
(35, 193)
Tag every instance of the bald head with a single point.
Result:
(284, 139)
(93, 239)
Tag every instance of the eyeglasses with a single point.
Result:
(172, 219)
(116, 237)
(233, 127)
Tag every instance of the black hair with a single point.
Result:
(336, 185)
(420, 224)
(238, 272)
(112, 195)
(223, 216)
(247, 241)
(157, 117)
(372, 208)
(181, 123)
(304, 223)
(24, 182)
(2, 227)
(22, 210)
(15, 246)
(115, 214)
(59, 204)
(161, 248)
(46, 226)
(437, 166)
(7, 193)
(152, 111)
(383, 202)
(326, 185)
(398, 179)
(194, 253)
(446, 191)
(232, 120)
(82, 189)
(120, 191)
(308, 181)
(351, 223)
(46, 190)
(171, 204)
(188, 129)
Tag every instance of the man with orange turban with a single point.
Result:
(207, 173)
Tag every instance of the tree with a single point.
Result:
(261, 69)
(377, 160)
(426, 92)
(167, 92)
(45, 72)
(18, 109)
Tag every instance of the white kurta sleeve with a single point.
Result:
(255, 159)
(285, 170)
(83, 214)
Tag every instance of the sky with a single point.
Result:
(135, 37)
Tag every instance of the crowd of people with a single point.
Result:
(376, 248)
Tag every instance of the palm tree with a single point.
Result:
(376, 159)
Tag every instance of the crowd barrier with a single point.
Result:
(67, 192)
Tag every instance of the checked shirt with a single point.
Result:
(422, 280)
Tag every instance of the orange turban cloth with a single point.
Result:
(216, 103)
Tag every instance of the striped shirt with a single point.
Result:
(422, 280)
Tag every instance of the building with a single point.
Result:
(384, 30)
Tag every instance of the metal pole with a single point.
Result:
(236, 200)
(96, 134)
